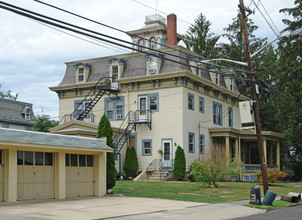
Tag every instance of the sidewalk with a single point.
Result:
(120, 207)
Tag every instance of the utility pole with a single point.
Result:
(254, 97)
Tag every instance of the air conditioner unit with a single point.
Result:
(152, 71)
(119, 117)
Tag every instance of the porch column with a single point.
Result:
(265, 151)
(227, 148)
(271, 155)
(237, 157)
(278, 155)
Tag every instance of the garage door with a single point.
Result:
(80, 177)
(1, 177)
(36, 177)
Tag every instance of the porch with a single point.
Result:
(242, 146)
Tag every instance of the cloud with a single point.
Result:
(32, 56)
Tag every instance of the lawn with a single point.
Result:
(195, 192)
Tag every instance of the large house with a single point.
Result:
(158, 97)
(15, 114)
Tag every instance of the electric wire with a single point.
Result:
(265, 19)
(102, 39)
(114, 28)
(269, 17)
(277, 94)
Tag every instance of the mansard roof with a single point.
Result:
(12, 111)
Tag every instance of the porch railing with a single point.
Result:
(255, 167)
(154, 165)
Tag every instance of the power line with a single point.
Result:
(270, 17)
(102, 39)
(265, 19)
(114, 28)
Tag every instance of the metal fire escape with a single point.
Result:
(103, 86)
(129, 124)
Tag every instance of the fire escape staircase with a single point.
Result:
(127, 126)
(104, 87)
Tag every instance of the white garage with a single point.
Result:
(36, 175)
(35, 165)
(80, 175)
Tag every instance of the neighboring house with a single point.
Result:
(156, 104)
(15, 114)
(35, 165)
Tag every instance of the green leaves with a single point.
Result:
(43, 123)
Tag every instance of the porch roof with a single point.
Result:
(244, 134)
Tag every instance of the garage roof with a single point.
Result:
(40, 138)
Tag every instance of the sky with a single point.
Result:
(33, 56)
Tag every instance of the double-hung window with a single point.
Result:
(191, 142)
(150, 103)
(230, 117)
(114, 70)
(231, 84)
(190, 101)
(201, 143)
(79, 107)
(217, 78)
(114, 108)
(217, 113)
(201, 104)
(141, 43)
(152, 65)
(147, 147)
(81, 74)
(152, 43)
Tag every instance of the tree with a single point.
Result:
(43, 123)
(200, 40)
(131, 162)
(105, 130)
(7, 94)
(179, 168)
(234, 49)
(212, 167)
(289, 80)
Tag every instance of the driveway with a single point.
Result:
(121, 207)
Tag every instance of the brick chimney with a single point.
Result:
(171, 30)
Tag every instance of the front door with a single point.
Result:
(142, 114)
(167, 158)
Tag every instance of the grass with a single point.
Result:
(195, 192)
(277, 204)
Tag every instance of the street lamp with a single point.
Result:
(295, 32)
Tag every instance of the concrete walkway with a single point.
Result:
(120, 207)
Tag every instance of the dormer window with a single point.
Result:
(114, 71)
(152, 65)
(217, 78)
(81, 74)
(231, 84)
(27, 112)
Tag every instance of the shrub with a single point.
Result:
(212, 167)
(179, 168)
(273, 175)
(119, 174)
(105, 130)
(131, 162)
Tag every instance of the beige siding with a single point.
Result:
(199, 123)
